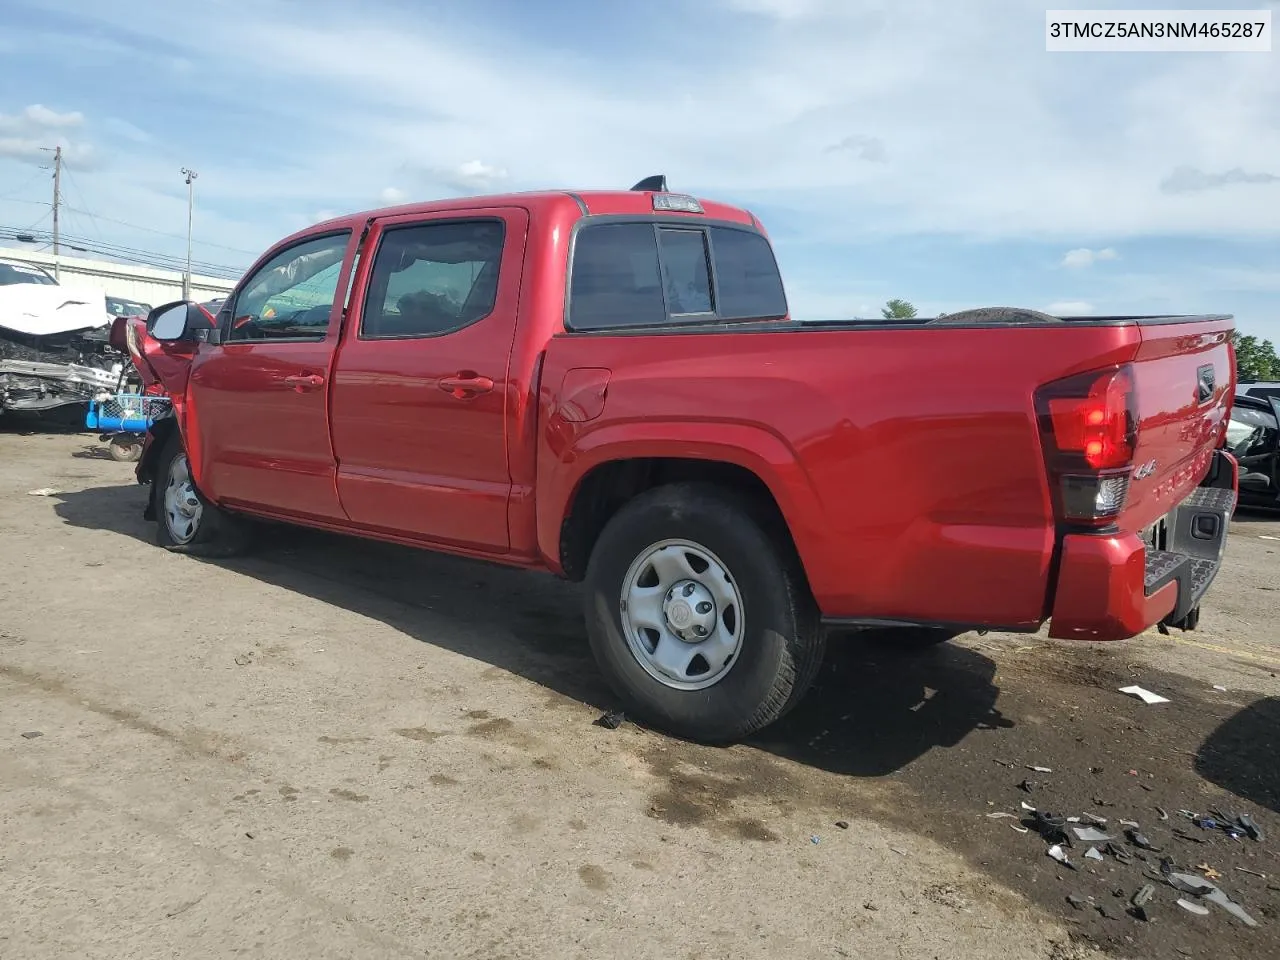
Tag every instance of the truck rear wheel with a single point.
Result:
(698, 618)
(185, 521)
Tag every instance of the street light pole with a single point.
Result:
(186, 280)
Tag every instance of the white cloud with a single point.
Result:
(861, 146)
(1084, 257)
(31, 135)
(39, 117)
(392, 195)
(473, 175)
(1069, 308)
(1190, 179)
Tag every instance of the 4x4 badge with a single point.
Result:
(1144, 470)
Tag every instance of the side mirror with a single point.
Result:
(172, 322)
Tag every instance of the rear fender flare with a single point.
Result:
(753, 448)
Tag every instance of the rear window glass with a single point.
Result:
(642, 274)
(750, 285)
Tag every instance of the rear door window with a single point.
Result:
(634, 274)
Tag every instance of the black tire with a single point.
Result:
(216, 534)
(781, 640)
(1012, 315)
(123, 451)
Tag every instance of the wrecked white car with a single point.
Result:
(54, 351)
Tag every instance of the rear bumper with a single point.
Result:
(1115, 586)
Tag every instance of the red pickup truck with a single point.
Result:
(609, 386)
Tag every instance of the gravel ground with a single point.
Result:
(344, 749)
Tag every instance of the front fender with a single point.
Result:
(571, 451)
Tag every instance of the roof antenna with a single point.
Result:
(658, 183)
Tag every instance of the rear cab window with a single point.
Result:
(653, 272)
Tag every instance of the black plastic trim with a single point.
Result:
(871, 623)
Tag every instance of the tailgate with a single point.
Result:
(1184, 378)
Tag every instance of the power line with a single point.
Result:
(127, 254)
(14, 193)
(174, 236)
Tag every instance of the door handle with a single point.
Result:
(463, 386)
(304, 381)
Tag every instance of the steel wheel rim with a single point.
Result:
(670, 630)
(182, 506)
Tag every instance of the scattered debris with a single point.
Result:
(1195, 908)
(1090, 835)
(43, 492)
(844, 824)
(1219, 688)
(611, 720)
(1105, 912)
(1252, 873)
(1077, 902)
(1146, 696)
(1057, 853)
(1140, 840)
(1186, 883)
(1183, 835)
(1130, 823)
(1094, 819)
(1208, 871)
(1252, 829)
(1233, 908)
(815, 840)
(870, 906)
(1039, 769)
(1019, 827)
(32, 734)
(1028, 807)
(1093, 854)
(1027, 785)
(1052, 827)
(1120, 853)
(1002, 816)
(1144, 895)
(1161, 812)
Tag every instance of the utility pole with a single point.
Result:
(57, 200)
(186, 280)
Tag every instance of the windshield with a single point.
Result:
(126, 308)
(14, 273)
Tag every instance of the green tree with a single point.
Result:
(898, 310)
(1255, 359)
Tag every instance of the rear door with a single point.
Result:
(258, 398)
(421, 386)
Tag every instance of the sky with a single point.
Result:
(923, 149)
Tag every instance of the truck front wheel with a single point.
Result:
(185, 521)
(698, 618)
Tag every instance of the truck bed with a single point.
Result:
(907, 458)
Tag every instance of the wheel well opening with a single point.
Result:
(605, 490)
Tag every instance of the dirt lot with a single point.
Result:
(340, 749)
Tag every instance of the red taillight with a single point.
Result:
(1089, 427)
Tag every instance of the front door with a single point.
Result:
(421, 388)
(258, 398)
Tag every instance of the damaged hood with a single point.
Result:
(39, 310)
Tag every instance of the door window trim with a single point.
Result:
(386, 229)
(228, 312)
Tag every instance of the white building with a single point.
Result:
(149, 285)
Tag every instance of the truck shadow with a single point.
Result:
(873, 710)
(1240, 754)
